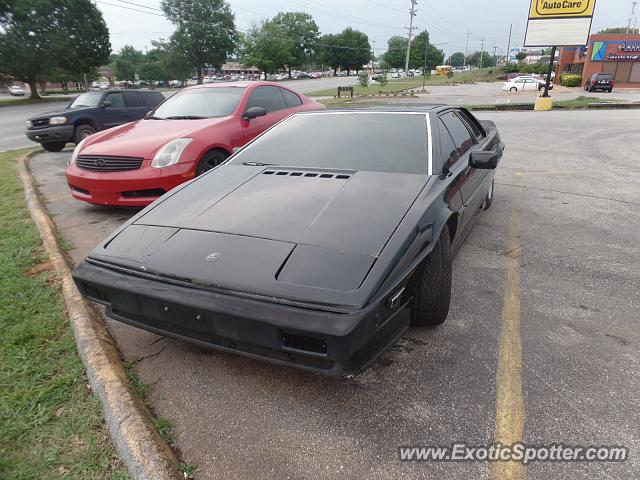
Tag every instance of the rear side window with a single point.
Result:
(268, 98)
(470, 123)
(290, 99)
(133, 99)
(458, 131)
(153, 98)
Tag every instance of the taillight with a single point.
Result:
(593, 82)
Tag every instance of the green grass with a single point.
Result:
(398, 85)
(50, 424)
(30, 101)
(581, 102)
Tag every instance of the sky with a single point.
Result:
(448, 21)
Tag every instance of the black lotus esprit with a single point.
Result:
(316, 245)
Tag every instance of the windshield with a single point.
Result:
(370, 141)
(200, 103)
(88, 99)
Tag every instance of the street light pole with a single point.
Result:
(546, 84)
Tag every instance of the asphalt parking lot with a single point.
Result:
(551, 270)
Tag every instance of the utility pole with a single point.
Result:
(412, 13)
(424, 68)
(509, 44)
(373, 53)
(495, 63)
(482, 40)
(466, 48)
(631, 16)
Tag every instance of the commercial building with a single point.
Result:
(618, 54)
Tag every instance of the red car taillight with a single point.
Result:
(593, 82)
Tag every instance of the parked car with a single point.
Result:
(525, 83)
(88, 113)
(280, 261)
(600, 81)
(192, 132)
(16, 91)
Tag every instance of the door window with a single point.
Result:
(461, 136)
(268, 98)
(116, 100)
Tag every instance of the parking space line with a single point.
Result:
(510, 409)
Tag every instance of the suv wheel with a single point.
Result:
(53, 146)
(587, 88)
(83, 131)
(513, 89)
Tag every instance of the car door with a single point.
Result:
(135, 106)
(113, 110)
(530, 84)
(269, 98)
(471, 179)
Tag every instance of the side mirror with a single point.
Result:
(484, 160)
(254, 112)
(106, 104)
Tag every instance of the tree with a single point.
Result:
(520, 56)
(435, 56)
(303, 34)
(457, 59)
(474, 59)
(126, 63)
(267, 47)
(205, 31)
(38, 37)
(618, 30)
(396, 52)
(356, 49)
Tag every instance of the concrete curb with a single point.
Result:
(137, 441)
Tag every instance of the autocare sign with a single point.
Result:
(559, 22)
(562, 8)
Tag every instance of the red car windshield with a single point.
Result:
(200, 103)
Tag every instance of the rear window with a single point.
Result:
(368, 141)
(604, 76)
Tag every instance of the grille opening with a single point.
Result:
(268, 172)
(153, 192)
(343, 177)
(326, 175)
(310, 174)
(99, 163)
(296, 174)
(78, 189)
(300, 341)
(282, 173)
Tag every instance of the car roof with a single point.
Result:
(406, 108)
(237, 84)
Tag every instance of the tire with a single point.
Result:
(513, 89)
(432, 285)
(610, 90)
(587, 88)
(210, 160)
(489, 198)
(53, 146)
(83, 131)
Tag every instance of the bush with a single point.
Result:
(570, 80)
(363, 79)
(383, 79)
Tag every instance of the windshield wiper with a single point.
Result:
(154, 118)
(260, 164)
(184, 117)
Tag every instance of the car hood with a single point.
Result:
(269, 232)
(144, 138)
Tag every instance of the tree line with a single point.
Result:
(60, 40)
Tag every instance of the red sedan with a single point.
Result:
(190, 133)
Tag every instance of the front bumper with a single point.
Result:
(308, 338)
(134, 188)
(61, 133)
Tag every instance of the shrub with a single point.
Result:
(570, 80)
(383, 79)
(363, 79)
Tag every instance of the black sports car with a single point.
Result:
(316, 245)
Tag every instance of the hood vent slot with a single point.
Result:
(282, 173)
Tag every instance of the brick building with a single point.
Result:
(617, 54)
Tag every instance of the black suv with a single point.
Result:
(89, 113)
(599, 81)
